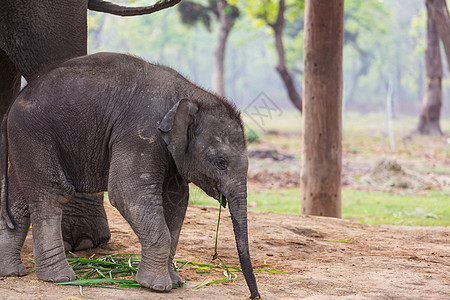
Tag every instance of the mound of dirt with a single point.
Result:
(268, 179)
(389, 174)
(274, 155)
(272, 168)
(327, 258)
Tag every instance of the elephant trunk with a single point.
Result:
(238, 208)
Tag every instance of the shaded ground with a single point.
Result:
(331, 259)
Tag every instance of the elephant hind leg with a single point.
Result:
(45, 193)
(9, 82)
(51, 264)
(46, 214)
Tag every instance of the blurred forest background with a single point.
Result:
(385, 41)
(403, 179)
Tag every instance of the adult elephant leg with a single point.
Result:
(175, 202)
(84, 222)
(11, 240)
(9, 82)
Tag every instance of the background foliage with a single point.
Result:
(384, 42)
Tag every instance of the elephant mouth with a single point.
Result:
(215, 193)
(224, 199)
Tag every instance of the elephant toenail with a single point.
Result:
(158, 288)
(84, 244)
(67, 246)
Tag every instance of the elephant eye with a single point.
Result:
(221, 163)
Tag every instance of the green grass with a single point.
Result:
(119, 270)
(430, 209)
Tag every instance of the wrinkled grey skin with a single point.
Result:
(36, 35)
(141, 131)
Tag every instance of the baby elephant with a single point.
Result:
(140, 131)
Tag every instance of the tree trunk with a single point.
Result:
(432, 100)
(226, 23)
(285, 75)
(322, 108)
(438, 11)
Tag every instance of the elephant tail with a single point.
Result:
(4, 173)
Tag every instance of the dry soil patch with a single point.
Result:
(330, 259)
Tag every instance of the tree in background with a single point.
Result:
(361, 19)
(439, 12)
(438, 27)
(320, 183)
(96, 23)
(226, 14)
(432, 100)
(361, 25)
(272, 13)
(375, 51)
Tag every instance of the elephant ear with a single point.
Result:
(174, 129)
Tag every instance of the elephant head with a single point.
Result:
(207, 142)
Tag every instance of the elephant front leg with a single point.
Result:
(84, 222)
(153, 272)
(141, 205)
(176, 196)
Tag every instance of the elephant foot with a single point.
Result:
(11, 242)
(176, 279)
(84, 223)
(81, 244)
(14, 269)
(157, 282)
(56, 274)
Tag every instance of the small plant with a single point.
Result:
(118, 270)
(346, 241)
(252, 136)
(112, 270)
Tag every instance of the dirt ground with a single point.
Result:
(329, 259)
